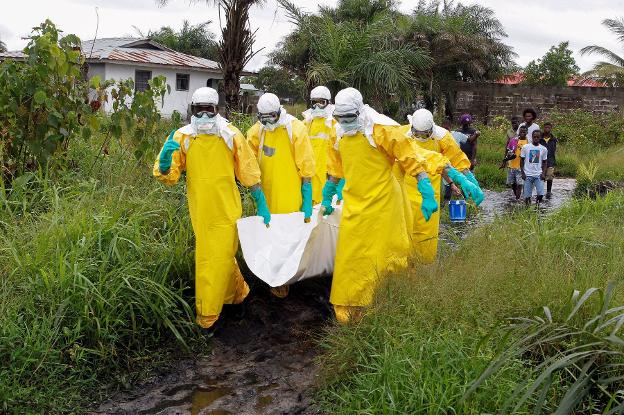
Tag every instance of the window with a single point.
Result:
(140, 80)
(211, 83)
(182, 81)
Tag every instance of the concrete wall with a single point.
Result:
(486, 101)
(176, 100)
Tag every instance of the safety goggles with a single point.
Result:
(319, 103)
(270, 118)
(347, 118)
(421, 135)
(201, 110)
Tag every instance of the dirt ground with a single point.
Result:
(262, 362)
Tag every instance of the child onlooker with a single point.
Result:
(513, 131)
(512, 159)
(550, 142)
(469, 147)
(533, 161)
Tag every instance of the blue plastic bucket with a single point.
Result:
(457, 210)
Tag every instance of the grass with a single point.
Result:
(422, 345)
(95, 274)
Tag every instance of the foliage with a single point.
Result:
(95, 273)
(611, 70)
(43, 101)
(465, 43)
(280, 82)
(336, 49)
(46, 101)
(423, 343)
(581, 347)
(555, 68)
(196, 40)
(3, 47)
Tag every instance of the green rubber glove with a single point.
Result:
(166, 154)
(470, 175)
(470, 190)
(261, 204)
(329, 190)
(306, 195)
(339, 188)
(429, 204)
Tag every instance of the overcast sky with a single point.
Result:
(532, 25)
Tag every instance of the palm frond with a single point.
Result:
(616, 26)
(604, 52)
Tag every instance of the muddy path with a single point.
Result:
(263, 359)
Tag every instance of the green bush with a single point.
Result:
(95, 273)
(425, 341)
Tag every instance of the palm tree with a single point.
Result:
(611, 70)
(352, 46)
(465, 43)
(235, 49)
(2, 46)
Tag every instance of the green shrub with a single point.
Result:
(95, 273)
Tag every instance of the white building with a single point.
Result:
(144, 59)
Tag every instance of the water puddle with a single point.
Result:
(502, 203)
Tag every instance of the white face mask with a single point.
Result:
(205, 124)
(318, 112)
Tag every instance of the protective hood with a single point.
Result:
(222, 126)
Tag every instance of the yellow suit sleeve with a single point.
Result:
(302, 148)
(253, 138)
(334, 161)
(178, 163)
(435, 162)
(245, 163)
(398, 147)
(453, 152)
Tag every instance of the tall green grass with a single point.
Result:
(422, 344)
(95, 270)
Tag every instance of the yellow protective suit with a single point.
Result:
(284, 161)
(286, 157)
(320, 134)
(214, 205)
(373, 237)
(425, 234)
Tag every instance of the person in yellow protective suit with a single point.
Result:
(425, 134)
(286, 161)
(373, 237)
(214, 154)
(321, 129)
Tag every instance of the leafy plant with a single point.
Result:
(611, 70)
(43, 101)
(555, 68)
(579, 355)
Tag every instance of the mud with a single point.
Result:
(261, 362)
(263, 357)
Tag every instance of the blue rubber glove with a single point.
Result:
(329, 190)
(166, 154)
(470, 176)
(469, 189)
(261, 204)
(306, 196)
(339, 188)
(429, 204)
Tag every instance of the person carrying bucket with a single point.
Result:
(424, 134)
(373, 237)
(286, 161)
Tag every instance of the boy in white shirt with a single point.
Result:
(533, 165)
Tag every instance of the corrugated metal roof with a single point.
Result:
(135, 50)
(142, 51)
